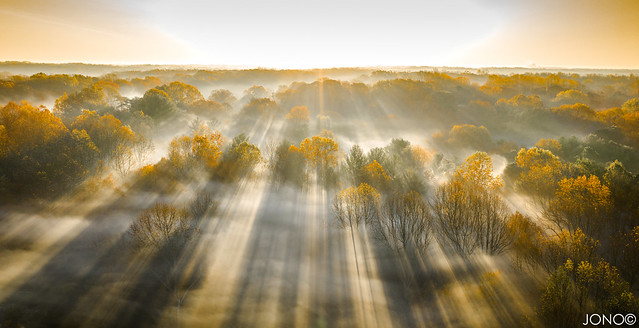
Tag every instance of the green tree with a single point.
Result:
(241, 157)
(355, 162)
(155, 103)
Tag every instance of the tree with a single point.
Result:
(569, 97)
(603, 284)
(624, 194)
(106, 131)
(521, 102)
(470, 136)
(38, 154)
(223, 96)
(356, 205)
(260, 107)
(625, 252)
(477, 174)
(558, 305)
(320, 152)
(255, 92)
(161, 224)
(4, 142)
(551, 145)
(207, 148)
(123, 159)
(631, 106)
(182, 94)
(450, 207)
(375, 175)
(258, 112)
(582, 202)
(421, 156)
(468, 210)
(557, 249)
(381, 156)
(155, 103)
(288, 165)
(541, 172)
(578, 111)
(493, 236)
(297, 122)
(477, 170)
(526, 240)
(142, 148)
(203, 150)
(584, 287)
(405, 222)
(240, 159)
(355, 162)
(298, 115)
(206, 108)
(27, 127)
(90, 98)
(163, 233)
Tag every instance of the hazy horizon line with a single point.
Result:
(266, 67)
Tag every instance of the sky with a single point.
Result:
(329, 33)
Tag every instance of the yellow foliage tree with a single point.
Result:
(27, 127)
(355, 205)
(541, 173)
(179, 153)
(477, 170)
(420, 155)
(551, 145)
(4, 141)
(298, 114)
(471, 136)
(527, 236)
(320, 152)
(576, 245)
(208, 148)
(582, 202)
(469, 210)
(248, 154)
(376, 175)
(202, 149)
(107, 132)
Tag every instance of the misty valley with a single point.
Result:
(175, 196)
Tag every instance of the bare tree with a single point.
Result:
(453, 216)
(470, 217)
(201, 204)
(164, 232)
(493, 235)
(123, 159)
(405, 222)
(161, 224)
(142, 149)
(356, 205)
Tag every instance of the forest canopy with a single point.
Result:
(513, 193)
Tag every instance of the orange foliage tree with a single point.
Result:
(27, 127)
